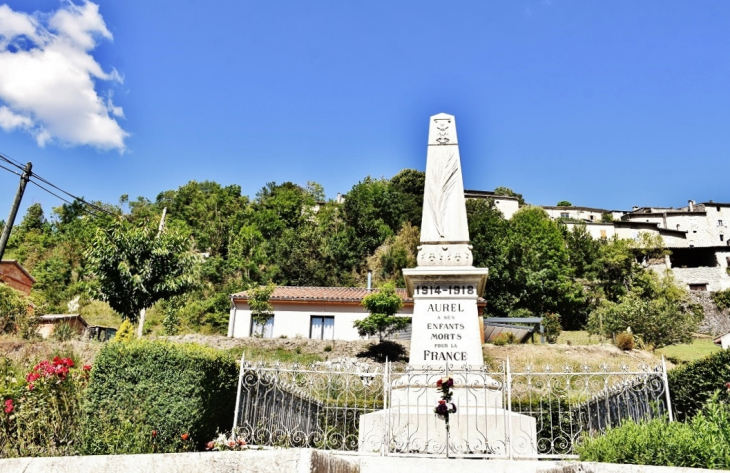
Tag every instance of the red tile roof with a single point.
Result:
(334, 294)
(326, 294)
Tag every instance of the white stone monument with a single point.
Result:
(446, 331)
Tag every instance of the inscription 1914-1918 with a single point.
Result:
(445, 290)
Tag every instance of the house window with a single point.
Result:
(698, 287)
(322, 328)
(564, 215)
(263, 331)
(592, 217)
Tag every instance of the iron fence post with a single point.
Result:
(666, 390)
(508, 434)
(385, 449)
(238, 396)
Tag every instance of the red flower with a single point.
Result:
(184, 436)
(439, 383)
(9, 406)
(241, 442)
(154, 433)
(86, 367)
(442, 401)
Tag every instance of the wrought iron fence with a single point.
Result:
(534, 412)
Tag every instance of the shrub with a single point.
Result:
(722, 298)
(13, 310)
(147, 397)
(552, 327)
(700, 443)
(41, 408)
(624, 341)
(504, 338)
(63, 332)
(692, 384)
(125, 333)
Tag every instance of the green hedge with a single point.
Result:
(691, 385)
(143, 397)
(703, 442)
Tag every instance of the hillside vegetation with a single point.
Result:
(288, 234)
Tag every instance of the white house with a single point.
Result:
(723, 341)
(310, 312)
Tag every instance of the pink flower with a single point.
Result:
(210, 445)
(9, 406)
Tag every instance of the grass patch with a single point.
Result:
(699, 348)
(279, 354)
(577, 337)
(99, 313)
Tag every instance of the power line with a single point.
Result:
(11, 161)
(34, 175)
(94, 206)
(10, 170)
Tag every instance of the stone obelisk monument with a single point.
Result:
(445, 335)
(445, 286)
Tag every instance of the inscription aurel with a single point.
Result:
(445, 308)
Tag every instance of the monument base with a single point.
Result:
(470, 390)
(478, 430)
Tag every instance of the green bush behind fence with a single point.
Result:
(149, 396)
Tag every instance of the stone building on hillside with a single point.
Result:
(697, 236)
(16, 276)
(506, 204)
(583, 214)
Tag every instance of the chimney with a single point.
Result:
(370, 279)
(691, 205)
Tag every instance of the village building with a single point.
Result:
(16, 276)
(506, 204)
(48, 323)
(695, 235)
(321, 313)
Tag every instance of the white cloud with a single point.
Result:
(48, 77)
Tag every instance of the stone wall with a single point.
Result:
(250, 461)
(716, 321)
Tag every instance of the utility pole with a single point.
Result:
(143, 312)
(14, 209)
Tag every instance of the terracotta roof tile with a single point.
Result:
(342, 294)
(333, 294)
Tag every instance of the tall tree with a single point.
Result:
(410, 184)
(134, 268)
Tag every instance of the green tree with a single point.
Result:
(410, 184)
(373, 211)
(134, 268)
(659, 313)
(383, 306)
(258, 301)
(564, 203)
(539, 277)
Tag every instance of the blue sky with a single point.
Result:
(605, 104)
